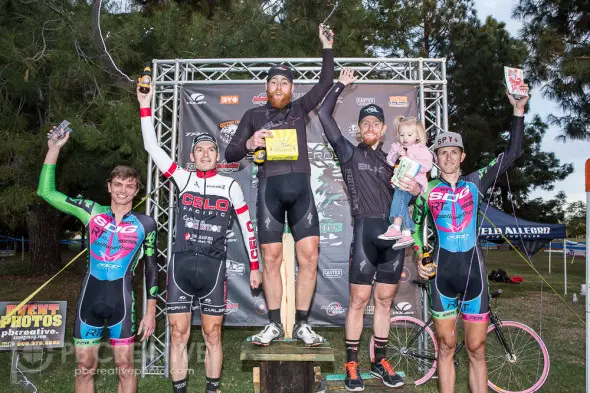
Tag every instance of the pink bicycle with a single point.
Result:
(517, 358)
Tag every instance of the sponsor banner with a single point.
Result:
(35, 325)
(218, 109)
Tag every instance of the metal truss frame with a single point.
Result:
(428, 75)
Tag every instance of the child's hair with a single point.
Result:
(410, 121)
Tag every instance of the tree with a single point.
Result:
(50, 73)
(557, 33)
(576, 219)
(550, 211)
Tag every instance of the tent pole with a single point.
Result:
(587, 275)
(550, 252)
(564, 267)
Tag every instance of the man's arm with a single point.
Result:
(237, 149)
(237, 199)
(80, 208)
(343, 148)
(420, 217)
(164, 163)
(313, 97)
(485, 177)
(150, 255)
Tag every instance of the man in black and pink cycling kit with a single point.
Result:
(452, 202)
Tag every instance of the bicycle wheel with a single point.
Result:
(408, 350)
(528, 367)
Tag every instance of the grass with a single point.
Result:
(531, 303)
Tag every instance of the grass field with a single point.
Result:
(530, 303)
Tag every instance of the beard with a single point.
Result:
(370, 140)
(278, 102)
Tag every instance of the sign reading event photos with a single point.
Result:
(35, 325)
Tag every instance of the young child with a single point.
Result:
(411, 137)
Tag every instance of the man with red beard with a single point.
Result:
(284, 186)
(373, 262)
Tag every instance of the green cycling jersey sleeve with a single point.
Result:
(420, 218)
(82, 209)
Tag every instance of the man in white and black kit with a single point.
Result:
(367, 176)
(284, 187)
(196, 273)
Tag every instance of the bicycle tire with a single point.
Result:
(419, 369)
(522, 338)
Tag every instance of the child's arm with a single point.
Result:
(423, 156)
(393, 153)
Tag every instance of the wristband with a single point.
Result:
(145, 112)
(254, 265)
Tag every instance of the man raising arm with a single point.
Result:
(285, 187)
(117, 239)
(452, 202)
(196, 272)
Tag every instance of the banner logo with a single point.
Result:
(228, 167)
(231, 307)
(260, 99)
(260, 307)
(362, 101)
(234, 268)
(332, 273)
(197, 99)
(227, 129)
(229, 100)
(334, 309)
(398, 102)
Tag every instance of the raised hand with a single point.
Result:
(520, 104)
(57, 143)
(145, 100)
(347, 76)
(326, 35)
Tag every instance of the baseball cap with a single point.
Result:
(371, 110)
(448, 139)
(204, 137)
(280, 70)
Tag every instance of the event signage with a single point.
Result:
(220, 116)
(35, 325)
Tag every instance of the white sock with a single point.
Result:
(395, 226)
(406, 232)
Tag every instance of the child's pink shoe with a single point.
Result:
(403, 242)
(392, 233)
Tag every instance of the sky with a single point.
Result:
(575, 152)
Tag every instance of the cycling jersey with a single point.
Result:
(367, 175)
(114, 250)
(453, 211)
(205, 203)
(294, 115)
(365, 170)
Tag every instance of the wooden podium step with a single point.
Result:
(287, 350)
(286, 366)
(334, 383)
